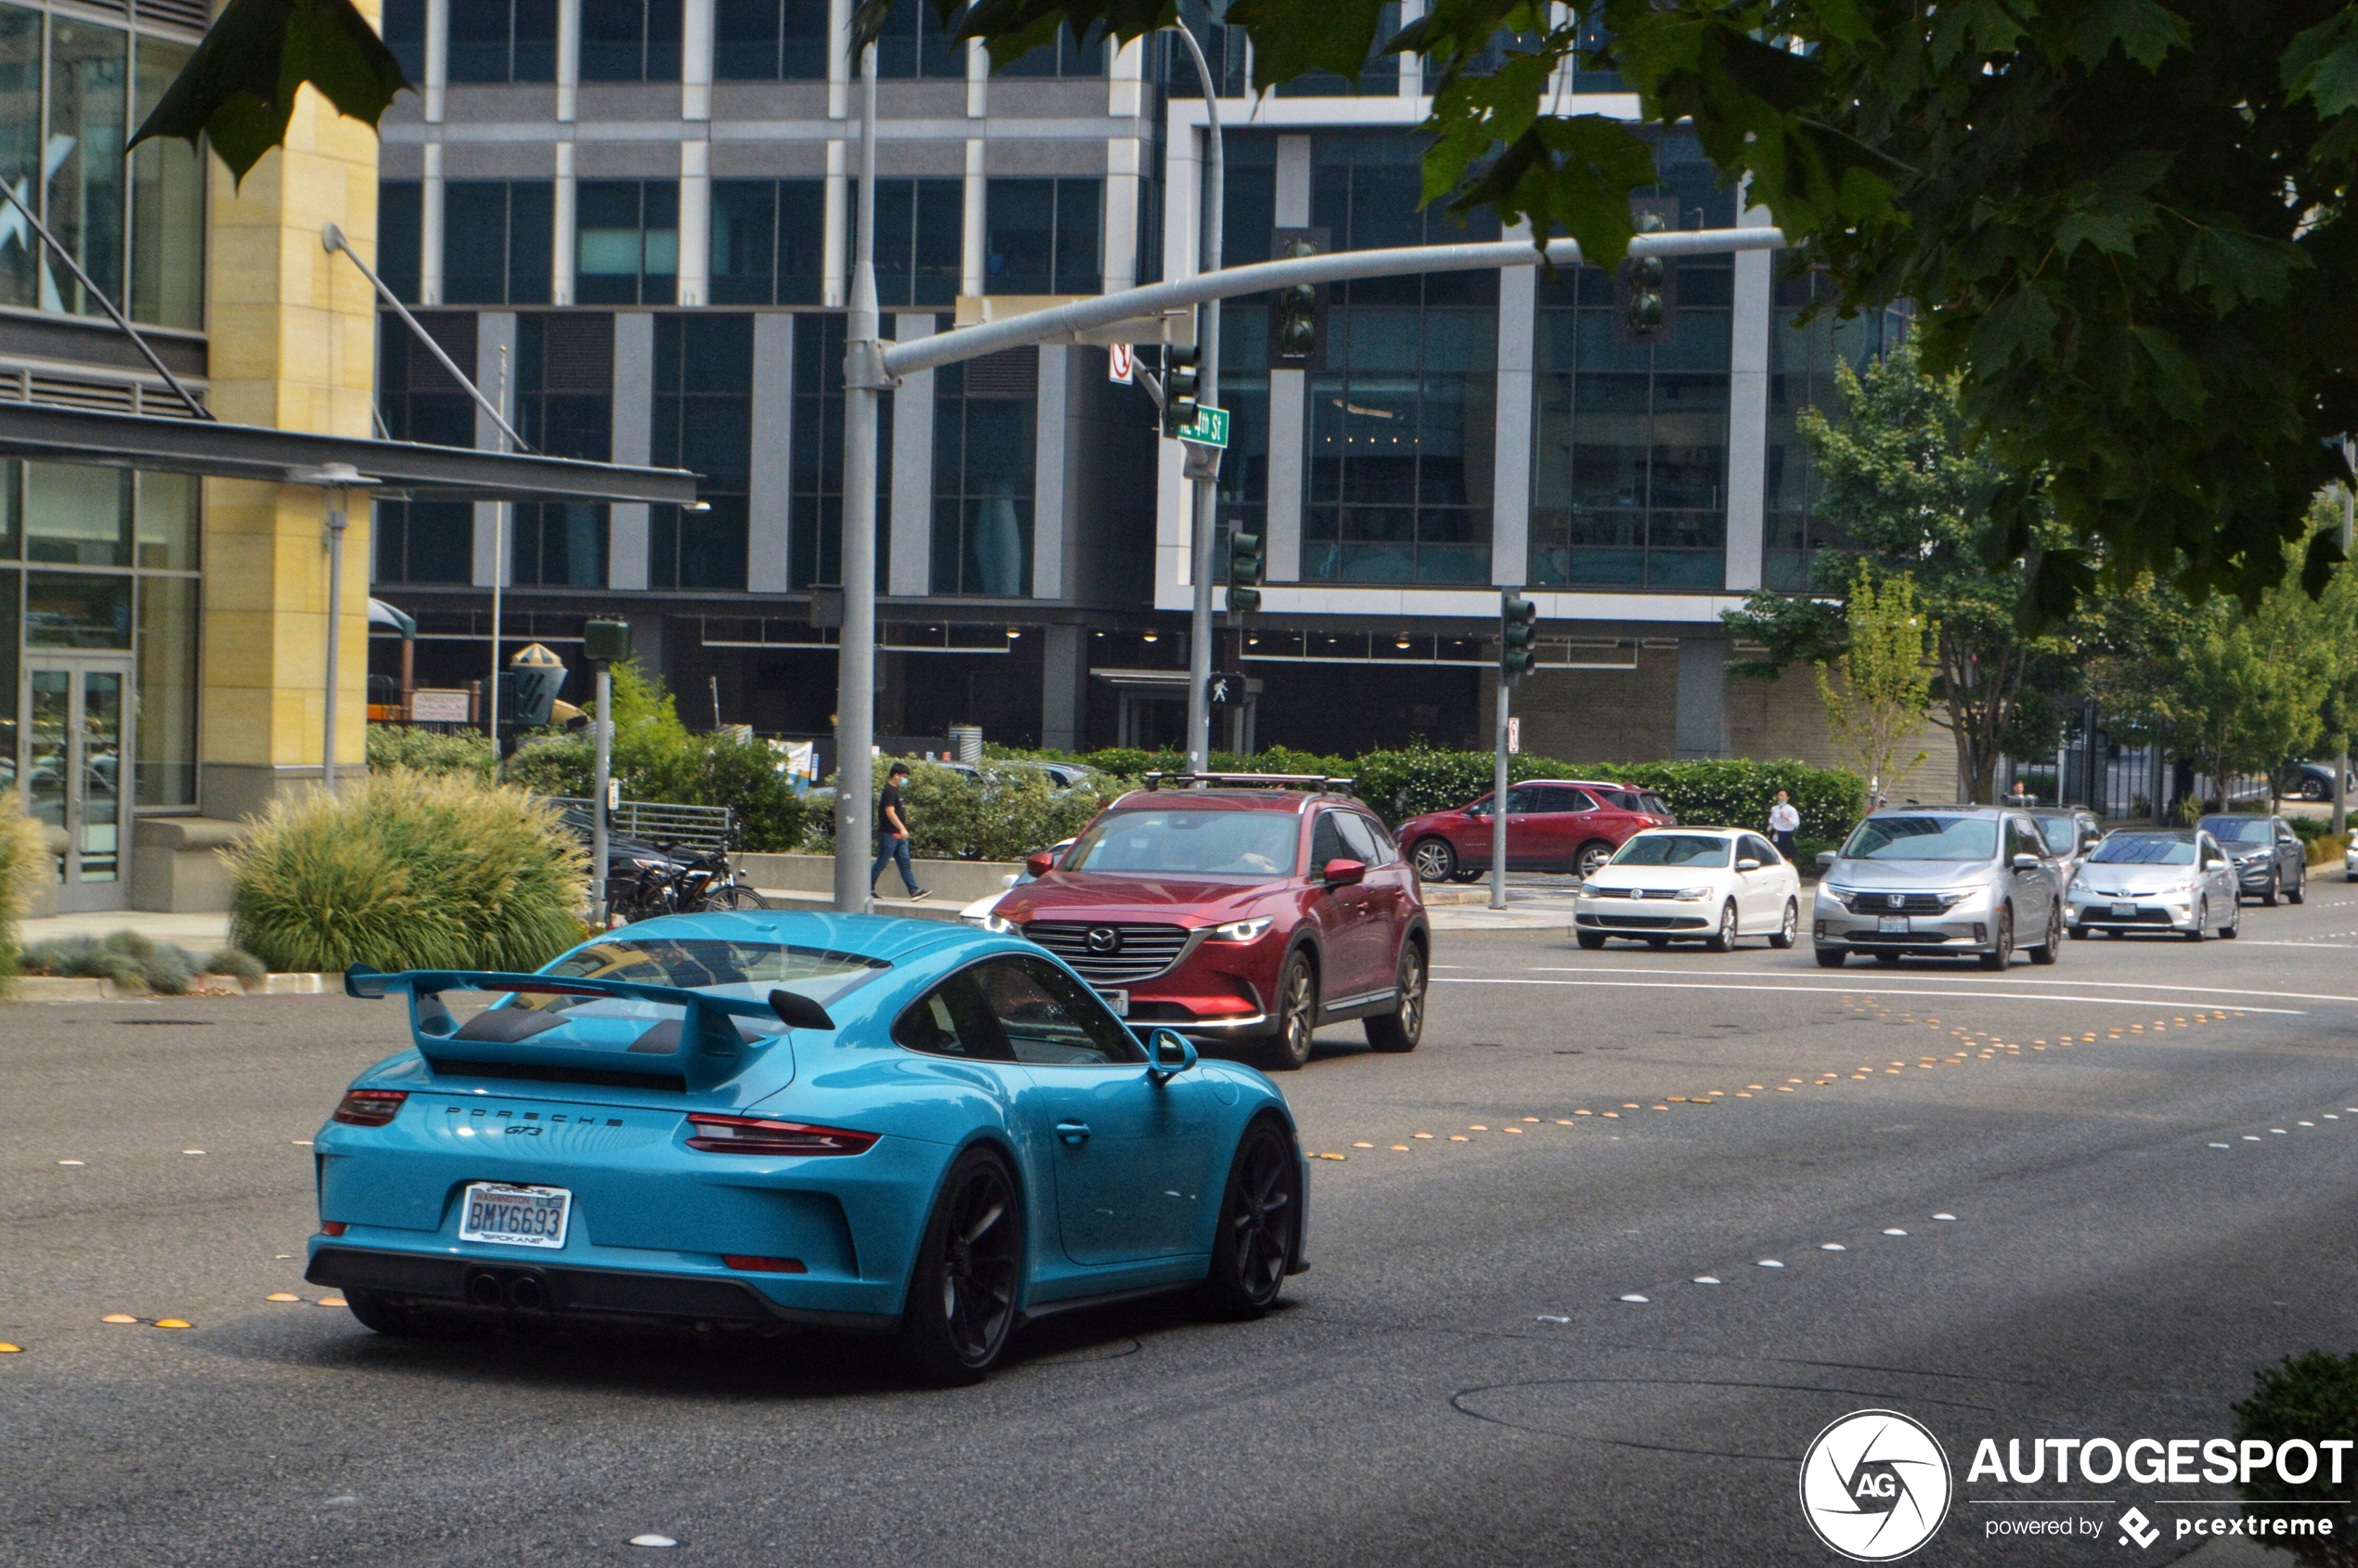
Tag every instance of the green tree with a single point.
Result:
(1900, 483)
(1877, 690)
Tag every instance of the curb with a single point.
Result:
(67, 988)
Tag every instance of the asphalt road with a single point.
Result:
(1460, 1379)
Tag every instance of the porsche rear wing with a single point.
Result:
(704, 1050)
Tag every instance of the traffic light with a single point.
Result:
(1516, 615)
(1646, 277)
(1298, 328)
(1181, 379)
(1244, 572)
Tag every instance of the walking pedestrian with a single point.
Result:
(892, 828)
(1783, 822)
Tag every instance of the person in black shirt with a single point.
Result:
(892, 833)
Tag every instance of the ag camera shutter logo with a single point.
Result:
(1875, 1485)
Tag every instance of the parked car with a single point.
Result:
(1556, 825)
(2271, 860)
(1711, 884)
(1941, 879)
(2314, 781)
(1253, 910)
(793, 1121)
(2157, 879)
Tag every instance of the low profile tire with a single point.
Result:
(2080, 933)
(2312, 789)
(2268, 899)
(1590, 940)
(1288, 1049)
(1724, 938)
(1434, 859)
(379, 1315)
(2298, 891)
(1888, 960)
(1591, 859)
(1658, 943)
(1831, 957)
(1790, 927)
(2002, 952)
(1259, 1216)
(1405, 1025)
(2202, 922)
(2052, 949)
(961, 1309)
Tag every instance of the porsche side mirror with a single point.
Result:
(1825, 857)
(1040, 865)
(1344, 873)
(2026, 862)
(1747, 864)
(1169, 1054)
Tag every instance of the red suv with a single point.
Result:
(1252, 915)
(1551, 825)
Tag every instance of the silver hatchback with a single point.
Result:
(2175, 880)
(1935, 880)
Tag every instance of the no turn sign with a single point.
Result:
(1121, 363)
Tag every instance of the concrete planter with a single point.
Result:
(950, 882)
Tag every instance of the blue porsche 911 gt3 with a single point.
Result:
(768, 1120)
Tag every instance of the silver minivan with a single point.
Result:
(1935, 880)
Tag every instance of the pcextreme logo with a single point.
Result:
(1875, 1485)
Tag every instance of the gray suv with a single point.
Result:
(1941, 879)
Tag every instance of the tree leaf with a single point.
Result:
(239, 88)
(2237, 268)
(1293, 38)
(2111, 232)
(2177, 380)
(1569, 176)
(2021, 325)
(2145, 31)
(2322, 64)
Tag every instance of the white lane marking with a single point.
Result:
(1860, 990)
(1930, 976)
(2330, 947)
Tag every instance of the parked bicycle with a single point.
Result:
(705, 885)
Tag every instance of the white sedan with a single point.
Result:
(1687, 884)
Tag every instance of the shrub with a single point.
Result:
(244, 967)
(2314, 1397)
(129, 960)
(1011, 812)
(424, 751)
(25, 860)
(408, 871)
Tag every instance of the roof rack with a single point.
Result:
(1265, 781)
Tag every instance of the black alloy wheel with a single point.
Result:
(1405, 1025)
(1591, 858)
(1288, 1049)
(1434, 859)
(1724, 938)
(1788, 929)
(961, 1310)
(1259, 1213)
(2312, 789)
(2002, 952)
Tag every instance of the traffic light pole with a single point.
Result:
(1498, 799)
(1199, 625)
(863, 380)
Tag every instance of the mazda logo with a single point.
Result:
(1104, 940)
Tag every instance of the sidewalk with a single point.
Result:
(201, 934)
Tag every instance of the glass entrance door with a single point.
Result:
(76, 740)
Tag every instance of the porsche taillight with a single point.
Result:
(757, 1135)
(368, 1107)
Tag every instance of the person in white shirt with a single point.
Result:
(1783, 822)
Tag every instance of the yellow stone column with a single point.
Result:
(294, 346)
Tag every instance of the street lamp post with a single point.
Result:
(863, 379)
(1199, 632)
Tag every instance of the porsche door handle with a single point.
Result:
(1073, 1133)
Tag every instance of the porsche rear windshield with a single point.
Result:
(1185, 843)
(1923, 838)
(747, 969)
(1673, 849)
(2144, 848)
(2239, 830)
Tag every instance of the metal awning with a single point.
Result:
(53, 434)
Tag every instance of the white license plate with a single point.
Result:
(1116, 1000)
(2124, 912)
(1892, 923)
(515, 1216)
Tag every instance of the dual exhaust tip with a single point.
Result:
(516, 1289)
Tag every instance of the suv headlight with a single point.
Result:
(1243, 930)
(999, 925)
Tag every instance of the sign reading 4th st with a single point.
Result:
(1211, 428)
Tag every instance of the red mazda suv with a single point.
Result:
(1254, 910)
(1551, 825)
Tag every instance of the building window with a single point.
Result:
(405, 33)
(704, 422)
(1248, 225)
(629, 40)
(564, 408)
(167, 205)
(920, 238)
(986, 412)
(1802, 360)
(416, 400)
(1402, 418)
(1631, 471)
(504, 41)
(165, 769)
(497, 238)
(769, 242)
(89, 72)
(1225, 50)
(401, 230)
(770, 41)
(1067, 56)
(627, 241)
(76, 516)
(1043, 237)
(914, 44)
(815, 536)
(1379, 78)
